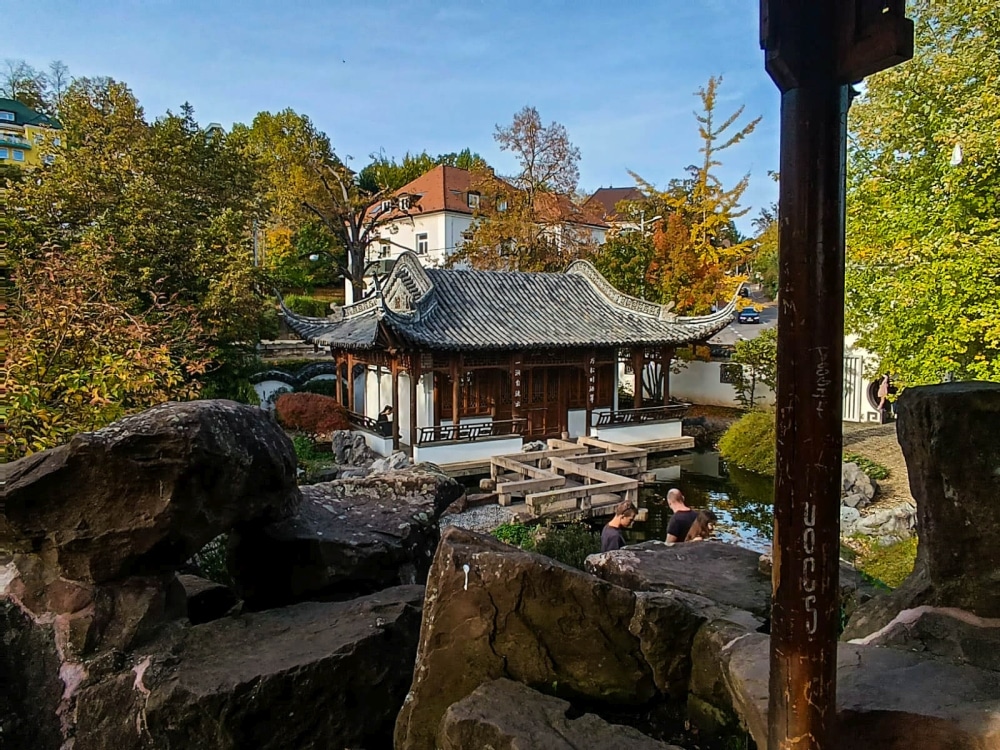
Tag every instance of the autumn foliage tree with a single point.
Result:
(923, 225)
(528, 222)
(698, 252)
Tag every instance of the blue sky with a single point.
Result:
(408, 76)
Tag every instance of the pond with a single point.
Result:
(742, 501)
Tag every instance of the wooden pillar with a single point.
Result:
(666, 356)
(456, 393)
(338, 394)
(808, 60)
(590, 378)
(395, 401)
(350, 382)
(638, 363)
(414, 382)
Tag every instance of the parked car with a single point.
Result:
(748, 315)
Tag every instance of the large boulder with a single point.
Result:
(493, 611)
(507, 715)
(316, 674)
(886, 699)
(948, 436)
(206, 600)
(141, 496)
(350, 536)
(722, 573)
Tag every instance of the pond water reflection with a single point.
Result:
(742, 501)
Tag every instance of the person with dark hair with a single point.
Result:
(682, 518)
(703, 526)
(384, 421)
(611, 535)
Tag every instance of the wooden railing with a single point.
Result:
(383, 429)
(640, 416)
(471, 432)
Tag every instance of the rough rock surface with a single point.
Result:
(30, 684)
(942, 632)
(948, 436)
(185, 471)
(493, 611)
(317, 674)
(395, 462)
(886, 699)
(857, 488)
(349, 537)
(722, 573)
(206, 600)
(506, 715)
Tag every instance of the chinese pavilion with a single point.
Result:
(464, 355)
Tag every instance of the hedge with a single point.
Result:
(750, 443)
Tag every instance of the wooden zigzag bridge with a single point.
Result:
(569, 480)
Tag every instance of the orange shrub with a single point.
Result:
(311, 412)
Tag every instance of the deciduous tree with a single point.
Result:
(923, 271)
(528, 222)
(758, 358)
(698, 249)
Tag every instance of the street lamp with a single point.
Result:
(642, 221)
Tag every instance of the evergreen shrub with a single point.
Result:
(750, 443)
(311, 306)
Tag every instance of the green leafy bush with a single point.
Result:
(311, 413)
(750, 443)
(210, 561)
(873, 469)
(311, 306)
(890, 564)
(568, 544)
(516, 534)
(305, 448)
(325, 387)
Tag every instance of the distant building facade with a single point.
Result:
(27, 138)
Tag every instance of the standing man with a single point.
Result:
(611, 536)
(682, 518)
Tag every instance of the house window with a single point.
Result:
(4, 154)
(8, 116)
(384, 249)
(422, 243)
(404, 203)
(48, 159)
(386, 206)
(18, 155)
(473, 200)
(501, 205)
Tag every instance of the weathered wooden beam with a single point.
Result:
(350, 383)
(395, 402)
(813, 51)
(638, 363)
(456, 392)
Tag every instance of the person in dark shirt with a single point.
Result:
(611, 535)
(682, 518)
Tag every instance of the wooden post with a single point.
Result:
(414, 381)
(395, 401)
(813, 51)
(350, 382)
(339, 393)
(456, 393)
(638, 363)
(666, 356)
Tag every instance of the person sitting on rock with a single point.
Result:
(611, 535)
(703, 526)
(682, 518)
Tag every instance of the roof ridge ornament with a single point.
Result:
(607, 290)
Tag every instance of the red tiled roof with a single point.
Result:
(605, 199)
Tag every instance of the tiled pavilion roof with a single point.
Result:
(468, 310)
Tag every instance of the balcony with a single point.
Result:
(15, 141)
(655, 427)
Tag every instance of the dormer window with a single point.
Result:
(386, 207)
(404, 203)
(8, 116)
(473, 200)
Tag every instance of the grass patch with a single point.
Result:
(873, 469)
(890, 564)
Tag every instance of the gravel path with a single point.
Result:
(879, 443)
